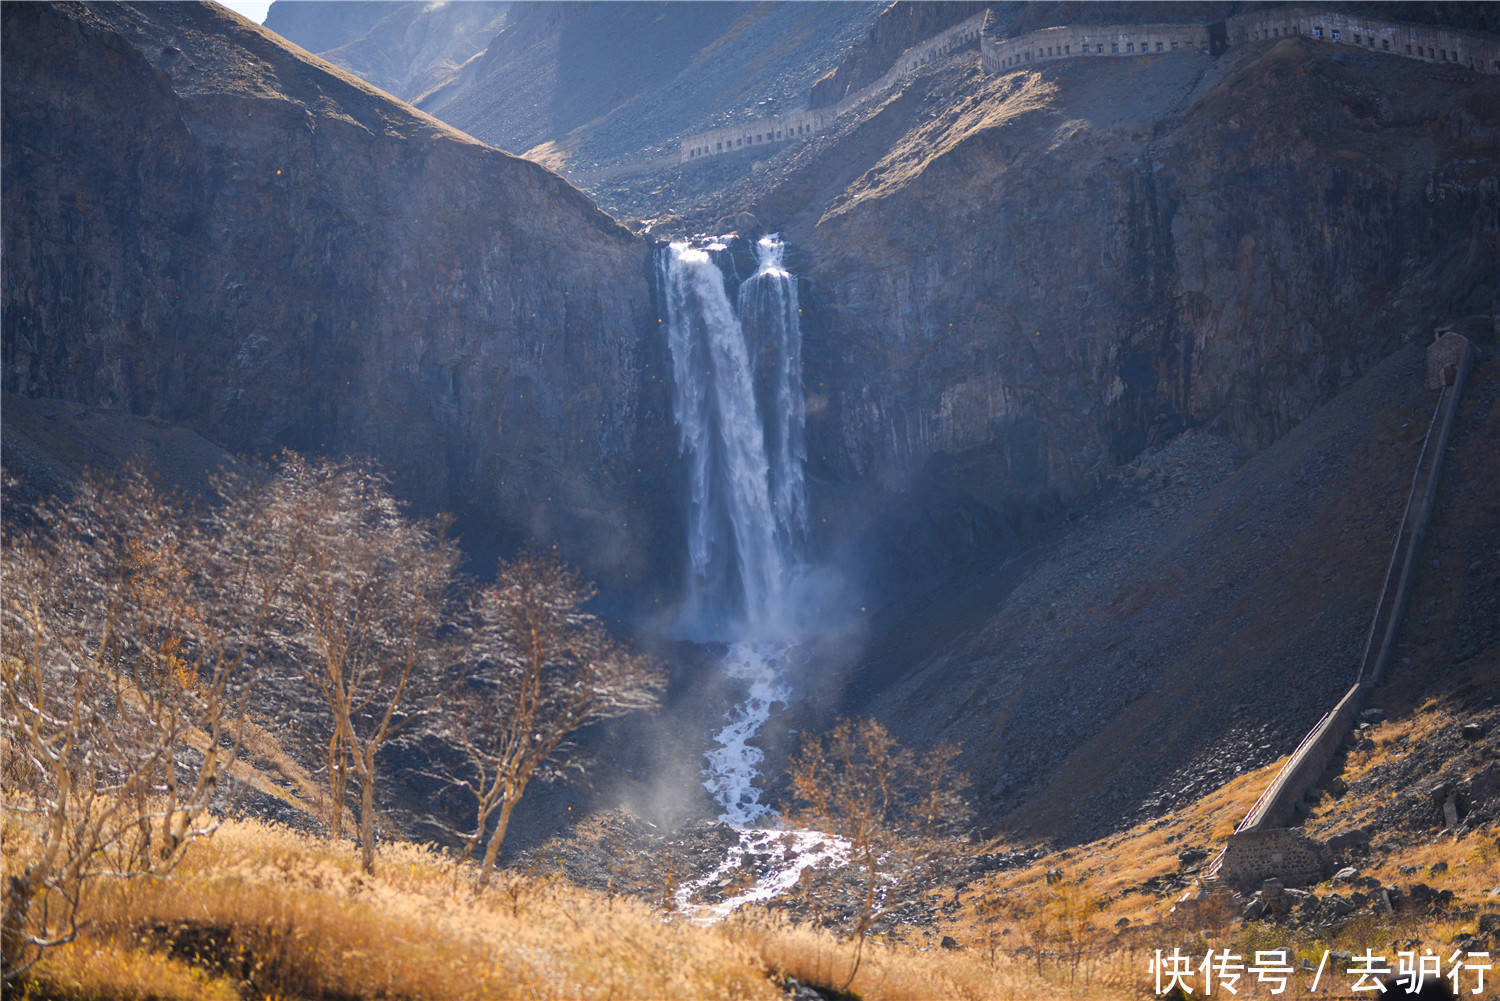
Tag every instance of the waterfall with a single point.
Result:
(769, 315)
(737, 399)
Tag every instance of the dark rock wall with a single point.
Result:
(1049, 273)
(201, 225)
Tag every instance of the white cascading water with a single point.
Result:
(769, 316)
(737, 399)
(747, 516)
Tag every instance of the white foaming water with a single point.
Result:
(737, 398)
(747, 515)
(769, 313)
(732, 767)
(778, 858)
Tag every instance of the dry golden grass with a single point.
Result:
(996, 102)
(892, 971)
(1468, 865)
(282, 914)
(1109, 871)
(104, 968)
(271, 770)
(1076, 919)
(261, 911)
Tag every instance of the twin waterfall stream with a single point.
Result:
(738, 402)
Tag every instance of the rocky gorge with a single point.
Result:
(1067, 334)
(1123, 251)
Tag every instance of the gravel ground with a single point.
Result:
(1189, 625)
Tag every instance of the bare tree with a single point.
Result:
(360, 612)
(126, 661)
(541, 668)
(899, 811)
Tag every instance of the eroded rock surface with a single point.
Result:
(1019, 282)
(203, 225)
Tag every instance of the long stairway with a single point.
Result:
(1261, 839)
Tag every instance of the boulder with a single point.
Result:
(1338, 904)
(1356, 839)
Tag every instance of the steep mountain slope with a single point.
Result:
(405, 49)
(49, 444)
(1016, 283)
(603, 83)
(318, 27)
(1195, 624)
(1013, 285)
(204, 225)
(904, 23)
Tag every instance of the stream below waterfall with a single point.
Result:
(738, 404)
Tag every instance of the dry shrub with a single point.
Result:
(899, 813)
(542, 668)
(126, 658)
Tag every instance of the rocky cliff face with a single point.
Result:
(1021, 288)
(202, 225)
(1198, 620)
(1017, 283)
(898, 28)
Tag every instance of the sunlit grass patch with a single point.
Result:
(103, 967)
(275, 913)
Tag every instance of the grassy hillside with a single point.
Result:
(262, 911)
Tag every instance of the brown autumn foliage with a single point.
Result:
(127, 652)
(900, 812)
(133, 627)
(539, 668)
(362, 598)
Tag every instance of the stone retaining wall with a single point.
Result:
(1093, 41)
(803, 124)
(1473, 51)
(759, 132)
(1469, 50)
(1275, 853)
(1277, 806)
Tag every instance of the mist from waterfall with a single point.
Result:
(737, 399)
